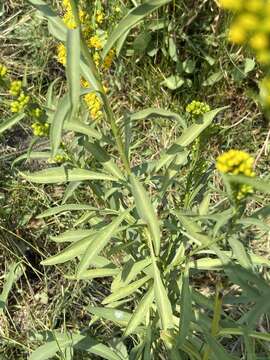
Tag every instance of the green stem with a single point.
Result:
(216, 319)
(87, 55)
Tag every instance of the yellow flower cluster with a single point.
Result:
(251, 25)
(197, 108)
(20, 103)
(61, 54)
(95, 42)
(265, 91)
(100, 16)
(15, 87)
(3, 71)
(93, 103)
(236, 162)
(40, 129)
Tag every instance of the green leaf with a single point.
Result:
(78, 341)
(99, 242)
(260, 185)
(130, 270)
(62, 174)
(140, 312)
(82, 128)
(130, 20)
(212, 79)
(33, 155)
(146, 211)
(103, 157)
(94, 273)
(239, 251)
(157, 113)
(117, 316)
(173, 82)
(69, 253)
(162, 300)
(185, 307)
(73, 68)
(249, 65)
(141, 42)
(187, 137)
(57, 124)
(72, 235)
(126, 291)
(70, 189)
(218, 352)
(68, 207)
(7, 124)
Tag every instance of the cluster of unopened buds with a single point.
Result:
(237, 162)
(197, 108)
(40, 129)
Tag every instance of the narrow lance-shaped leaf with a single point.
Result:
(7, 124)
(126, 291)
(73, 68)
(132, 18)
(146, 211)
(57, 124)
(99, 242)
(162, 300)
(186, 307)
(62, 174)
(187, 137)
(68, 207)
(70, 252)
(140, 312)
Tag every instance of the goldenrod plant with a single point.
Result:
(154, 229)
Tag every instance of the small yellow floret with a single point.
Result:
(3, 71)
(235, 5)
(62, 54)
(237, 34)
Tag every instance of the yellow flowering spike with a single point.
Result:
(94, 105)
(61, 54)
(248, 21)
(236, 162)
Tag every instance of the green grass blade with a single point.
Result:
(132, 18)
(61, 174)
(14, 273)
(140, 312)
(73, 68)
(146, 211)
(7, 124)
(99, 242)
